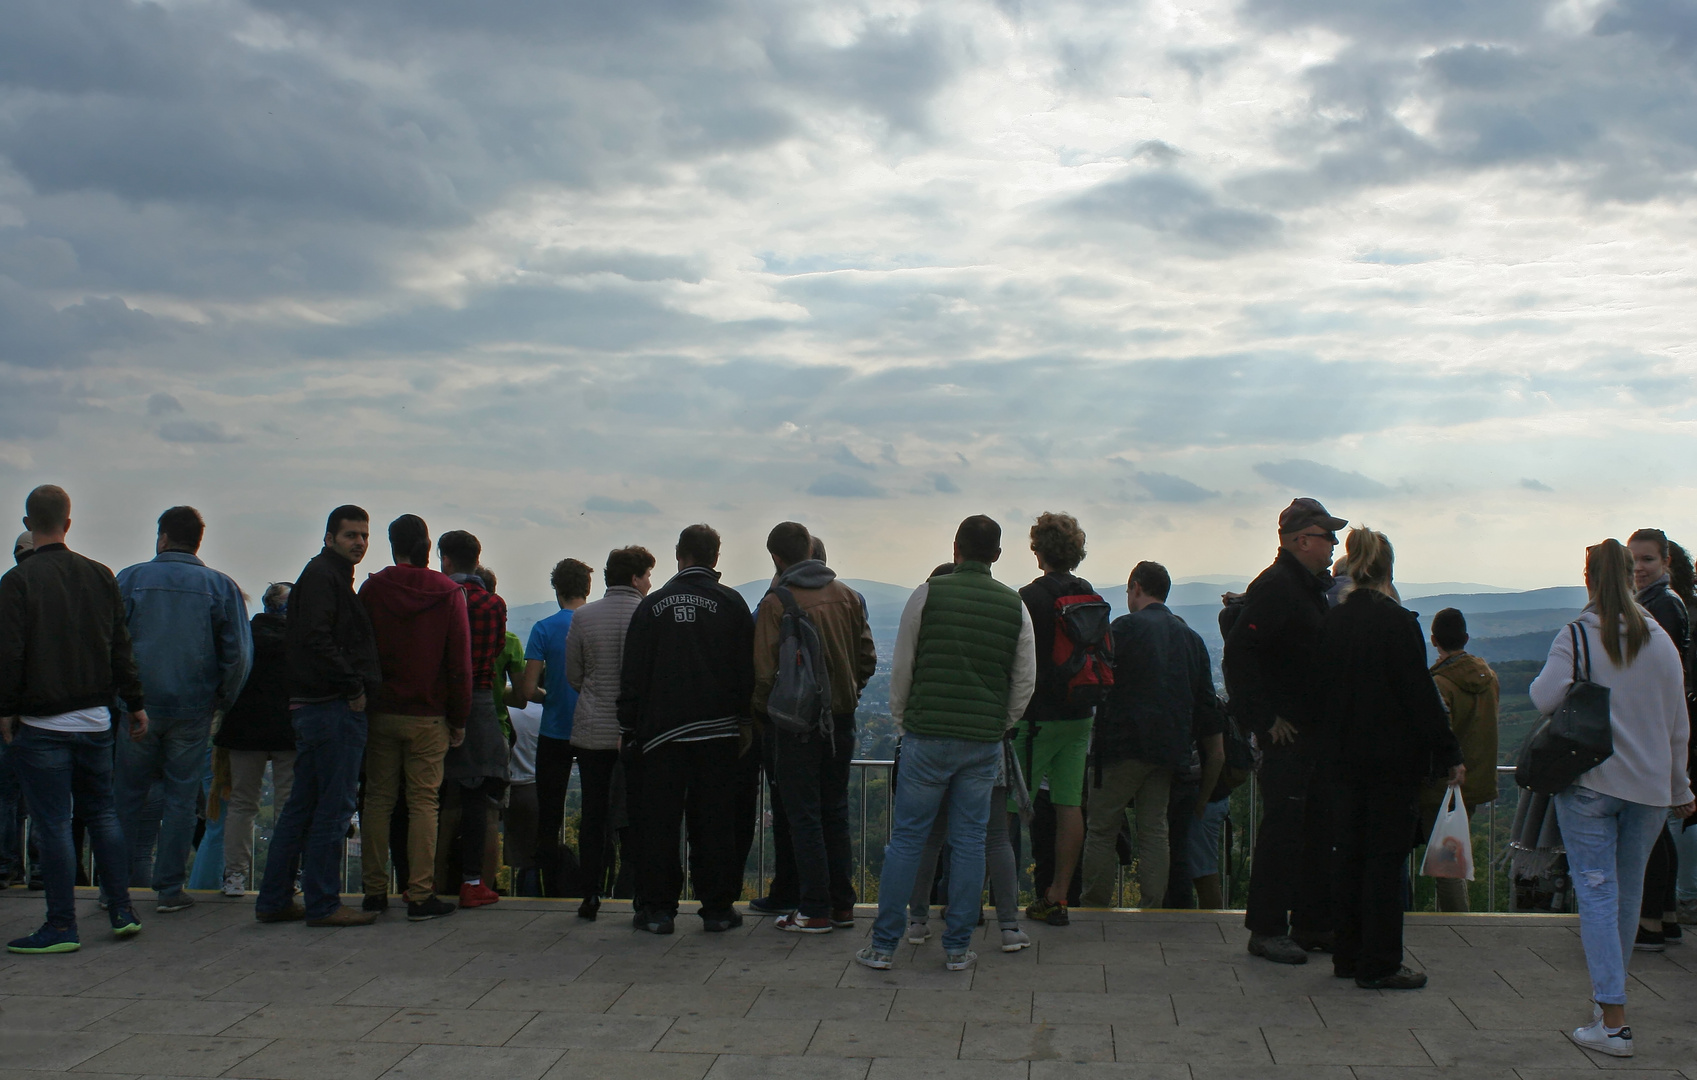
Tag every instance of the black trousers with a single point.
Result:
(1375, 823)
(747, 805)
(562, 875)
(479, 800)
(1181, 814)
(785, 887)
(1660, 875)
(1290, 880)
(814, 776)
(694, 782)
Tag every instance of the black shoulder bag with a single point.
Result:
(1574, 739)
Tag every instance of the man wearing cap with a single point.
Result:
(1272, 672)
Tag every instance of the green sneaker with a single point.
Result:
(49, 939)
(124, 921)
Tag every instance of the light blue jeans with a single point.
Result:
(934, 772)
(1685, 843)
(1608, 843)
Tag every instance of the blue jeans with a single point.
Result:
(934, 771)
(329, 743)
(1203, 848)
(172, 753)
(59, 770)
(1608, 843)
(1685, 842)
(208, 869)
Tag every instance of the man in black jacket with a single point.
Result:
(64, 655)
(1162, 705)
(1272, 669)
(332, 667)
(684, 704)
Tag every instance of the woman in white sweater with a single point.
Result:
(1610, 818)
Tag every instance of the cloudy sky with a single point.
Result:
(573, 274)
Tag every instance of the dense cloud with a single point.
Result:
(571, 269)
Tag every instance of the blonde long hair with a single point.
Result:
(1368, 559)
(1608, 578)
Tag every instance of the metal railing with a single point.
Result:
(1234, 858)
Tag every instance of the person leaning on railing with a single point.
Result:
(1611, 816)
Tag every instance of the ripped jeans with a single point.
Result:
(1608, 843)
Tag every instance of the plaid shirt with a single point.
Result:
(488, 616)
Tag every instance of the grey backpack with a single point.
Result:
(800, 702)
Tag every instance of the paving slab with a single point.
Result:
(627, 1065)
(1113, 1070)
(1061, 1007)
(1345, 1046)
(778, 1067)
(549, 996)
(683, 999)
(733, 1035)
(27, 1012)
(401, 991)
(463, 1027)
(915, 1003)
(178, 1017)
(571, 1031)
(887, 1038)
(332, 1022)
(183, 1055)
(1002, 1041)
(810, 1003)
(1233, 1045)
(893, 1068)
(57, 1051)
(316, 1059)
(439, 1062)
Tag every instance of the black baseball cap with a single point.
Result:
(1304, 513)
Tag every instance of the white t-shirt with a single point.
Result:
(98, 718)
(527, 725)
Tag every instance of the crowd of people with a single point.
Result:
(135, 706)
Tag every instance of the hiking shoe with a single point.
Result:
(1043, 911)
(1649, 941)
(1015, 940)
(235, 884)
(1594, 1036)
(766, 905)
(1401, 979)
(479, 895)
(721, 921)
(918, 933)
(844, 919)
(875, 958)
(590, 908)
(960, 961)
(292, 913)
(378, 902)
(1278, 948)
(344, 916)
(124, 921)
(653, 922)
(428, 908)
(797, 923)
(1314, 940)
(49, 939)
(174, 901)
(1672, 934)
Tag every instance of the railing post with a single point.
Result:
(863, 831)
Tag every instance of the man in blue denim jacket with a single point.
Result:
(194, 651)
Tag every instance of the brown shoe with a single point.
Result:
(292, 913)
(345, 916)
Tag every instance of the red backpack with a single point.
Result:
(1084, 647)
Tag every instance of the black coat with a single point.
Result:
(1162, 681)
(331, 650)
(259, 720)
(64, 640)
(689, 662)
(1272, 655)
(1384, 717)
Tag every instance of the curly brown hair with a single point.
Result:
(1058, 541)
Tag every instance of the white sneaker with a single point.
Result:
(235, 884)
(1015, 940)
(918, 933)
(1594, 1037)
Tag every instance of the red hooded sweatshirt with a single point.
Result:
(423, 643)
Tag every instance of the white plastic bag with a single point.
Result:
(1449, 853)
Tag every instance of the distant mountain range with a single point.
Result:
(1505, 624)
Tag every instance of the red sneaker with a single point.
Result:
(796, 923)
(477, 895)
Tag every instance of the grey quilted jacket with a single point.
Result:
(595, 653)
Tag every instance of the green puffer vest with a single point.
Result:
(964, 657)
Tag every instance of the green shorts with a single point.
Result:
(1058, 755)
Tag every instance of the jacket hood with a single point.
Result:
(1470, 674)
(807, 574)
(405, 592)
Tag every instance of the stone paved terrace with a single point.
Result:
(524, 991)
